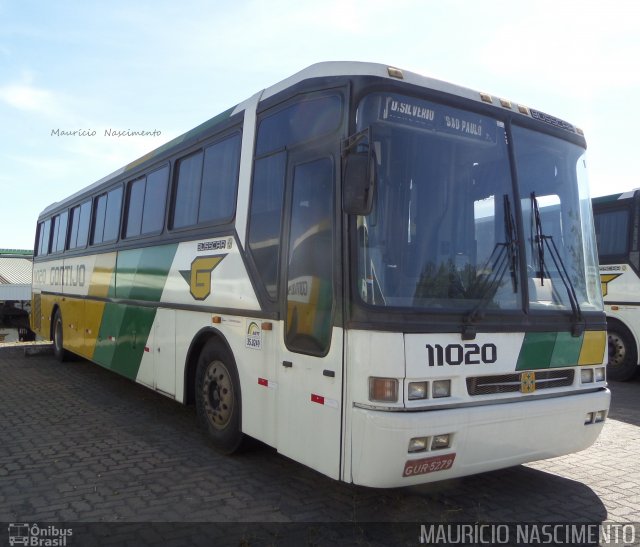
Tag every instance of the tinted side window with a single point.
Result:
(59, 232)
(44, 233)
(106, 221)
(612, 231)
(185, 211)
(73, 232)
(299, 122)
(112, 220)
(134, 209)
(220, 181)
(147, 203)
(155, 201)
(265, 217)
(98, 219)
(206, 184)
(55, 224)
(83, 224)
(39, 238)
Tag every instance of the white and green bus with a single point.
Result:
(617, 221)
(388, 278)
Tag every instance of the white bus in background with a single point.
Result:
(617, 221)
(388, 278)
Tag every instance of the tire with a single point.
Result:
(623, 354)
(59, 352)
(218, 398)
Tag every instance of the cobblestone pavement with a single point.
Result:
(80, 444)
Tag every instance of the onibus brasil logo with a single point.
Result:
(40, 536)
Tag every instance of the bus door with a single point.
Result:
(310, 349)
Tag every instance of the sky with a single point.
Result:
(164, 67)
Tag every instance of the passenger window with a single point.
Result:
(207, 184)
(310, 259)
(612, 231)
(187, 191)
(134, 210)
(106, 221)
(44, 236)
(83, 224)
(220, 181)
(59, 232)
(147, 203)
(155, 201)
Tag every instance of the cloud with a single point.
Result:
(28, 98)
(577, 50)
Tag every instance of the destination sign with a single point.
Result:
(414, 112)
(409, 111)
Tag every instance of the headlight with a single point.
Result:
(586, 375)
(418, 390)
(418, 444)
(600, 374)
(383, 390)
(441, 388)
(440, 442)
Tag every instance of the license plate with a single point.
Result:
(428, 465)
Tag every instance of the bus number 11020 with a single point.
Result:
(458, 354)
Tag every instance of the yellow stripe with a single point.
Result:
(593, 348)
(102, 275)
(101, 282)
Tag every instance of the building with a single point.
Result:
(15, 290)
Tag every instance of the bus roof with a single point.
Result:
(319, 70)
(614, 197)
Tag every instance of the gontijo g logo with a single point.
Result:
(199, 276)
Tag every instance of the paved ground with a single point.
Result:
(79, 444)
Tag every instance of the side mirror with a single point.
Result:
(359, 173)
(358, 185)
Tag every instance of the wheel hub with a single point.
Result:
(218, 395)
(617, 350)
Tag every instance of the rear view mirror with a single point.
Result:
(358, 185)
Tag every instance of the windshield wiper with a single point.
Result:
(506, 257)
(541, 240)
(511, 241)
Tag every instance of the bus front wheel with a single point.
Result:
(218, 401)
(623, 356)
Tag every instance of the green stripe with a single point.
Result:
(567, 350)
(542, 350)
(130, 326)
(140, 275)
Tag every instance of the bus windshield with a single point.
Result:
(443, 232)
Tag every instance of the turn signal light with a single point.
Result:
(383, 390)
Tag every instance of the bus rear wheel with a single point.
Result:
(218, 401)
(623, 356)
(58, 344)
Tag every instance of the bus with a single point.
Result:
(617, 217)
(387, 278)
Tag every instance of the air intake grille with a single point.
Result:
(510, 383)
